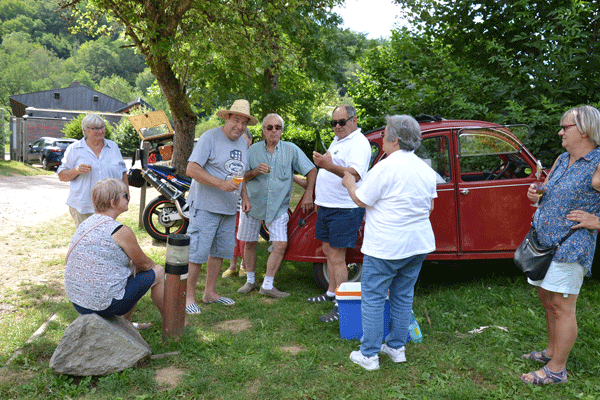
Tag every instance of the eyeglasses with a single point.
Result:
(97, 128)
(565, 127)
(126, 196)
(342, 122)
(277, 127)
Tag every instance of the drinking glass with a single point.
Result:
(540, 189)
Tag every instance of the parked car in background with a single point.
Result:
(48, 151)
(482, 210)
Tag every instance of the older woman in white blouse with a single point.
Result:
(86, 162)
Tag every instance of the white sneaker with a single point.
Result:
(397, 355)
(368, 363)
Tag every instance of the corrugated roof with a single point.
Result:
(74, 97)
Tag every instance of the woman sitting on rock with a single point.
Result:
(107, 272)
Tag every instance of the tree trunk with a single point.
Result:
(184, 117)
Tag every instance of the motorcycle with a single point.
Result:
(169, 212)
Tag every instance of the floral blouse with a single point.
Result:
(569, 188)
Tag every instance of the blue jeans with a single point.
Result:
(135, 289)
(379, 276)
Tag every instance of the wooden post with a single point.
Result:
(176, 272)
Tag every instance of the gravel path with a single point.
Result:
(30, 200)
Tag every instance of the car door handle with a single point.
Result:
(464, 192)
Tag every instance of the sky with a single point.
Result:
(374, 17)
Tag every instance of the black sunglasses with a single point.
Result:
(342, 122)
(270, 127)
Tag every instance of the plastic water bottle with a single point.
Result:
(414, 331)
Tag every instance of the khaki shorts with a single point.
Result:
(78, 217)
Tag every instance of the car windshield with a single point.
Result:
(62, 145)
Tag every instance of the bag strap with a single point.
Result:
(80, 237)
(566, 237)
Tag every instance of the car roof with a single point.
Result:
(57, 139)
(431, 126)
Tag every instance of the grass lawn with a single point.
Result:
(263, 348)
(9, 168)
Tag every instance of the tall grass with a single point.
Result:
(263, 348)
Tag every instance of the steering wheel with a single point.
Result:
(499, 171)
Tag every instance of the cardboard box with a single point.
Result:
(349, 295)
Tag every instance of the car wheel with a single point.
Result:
(322, 277)
(46, 164)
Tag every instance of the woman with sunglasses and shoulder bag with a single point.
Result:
(107, 272)
(571, 200)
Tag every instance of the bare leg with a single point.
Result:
(336, 266)
(158, 290)
(213, 268)
(250, 256)
(190, 291)
(562, 329)
(275, 258)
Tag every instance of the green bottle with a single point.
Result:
(319, 145)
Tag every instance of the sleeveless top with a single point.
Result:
(569, 188)
(97, 268)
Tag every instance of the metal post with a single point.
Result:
(143, 157)
(176, 273)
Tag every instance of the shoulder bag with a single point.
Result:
(534, 259)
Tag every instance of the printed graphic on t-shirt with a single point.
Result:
(235, 165)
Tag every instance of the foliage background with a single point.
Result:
(524, 61)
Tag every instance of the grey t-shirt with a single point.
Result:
(222, 158)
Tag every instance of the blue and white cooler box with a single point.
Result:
(348, 296)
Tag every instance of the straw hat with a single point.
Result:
(239, 107)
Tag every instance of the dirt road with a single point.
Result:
(31, 200)
(30, 205)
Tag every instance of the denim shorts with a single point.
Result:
(211, 235)
(339, 226)
(135, 289)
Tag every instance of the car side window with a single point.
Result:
(490, 154)
(436, 153)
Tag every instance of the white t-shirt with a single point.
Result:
(353, 151)
(398, 193)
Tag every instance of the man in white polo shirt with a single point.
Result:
(339, 218)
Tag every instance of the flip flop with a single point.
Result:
(192, 309)
(142, 325)
(226, 301)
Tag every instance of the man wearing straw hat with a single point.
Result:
(220, 155)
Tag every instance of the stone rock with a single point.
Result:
(96, 346)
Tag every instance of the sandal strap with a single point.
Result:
(550, 378)
(539, 356)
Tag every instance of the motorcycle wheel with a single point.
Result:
(322, 277)
(154, 222)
